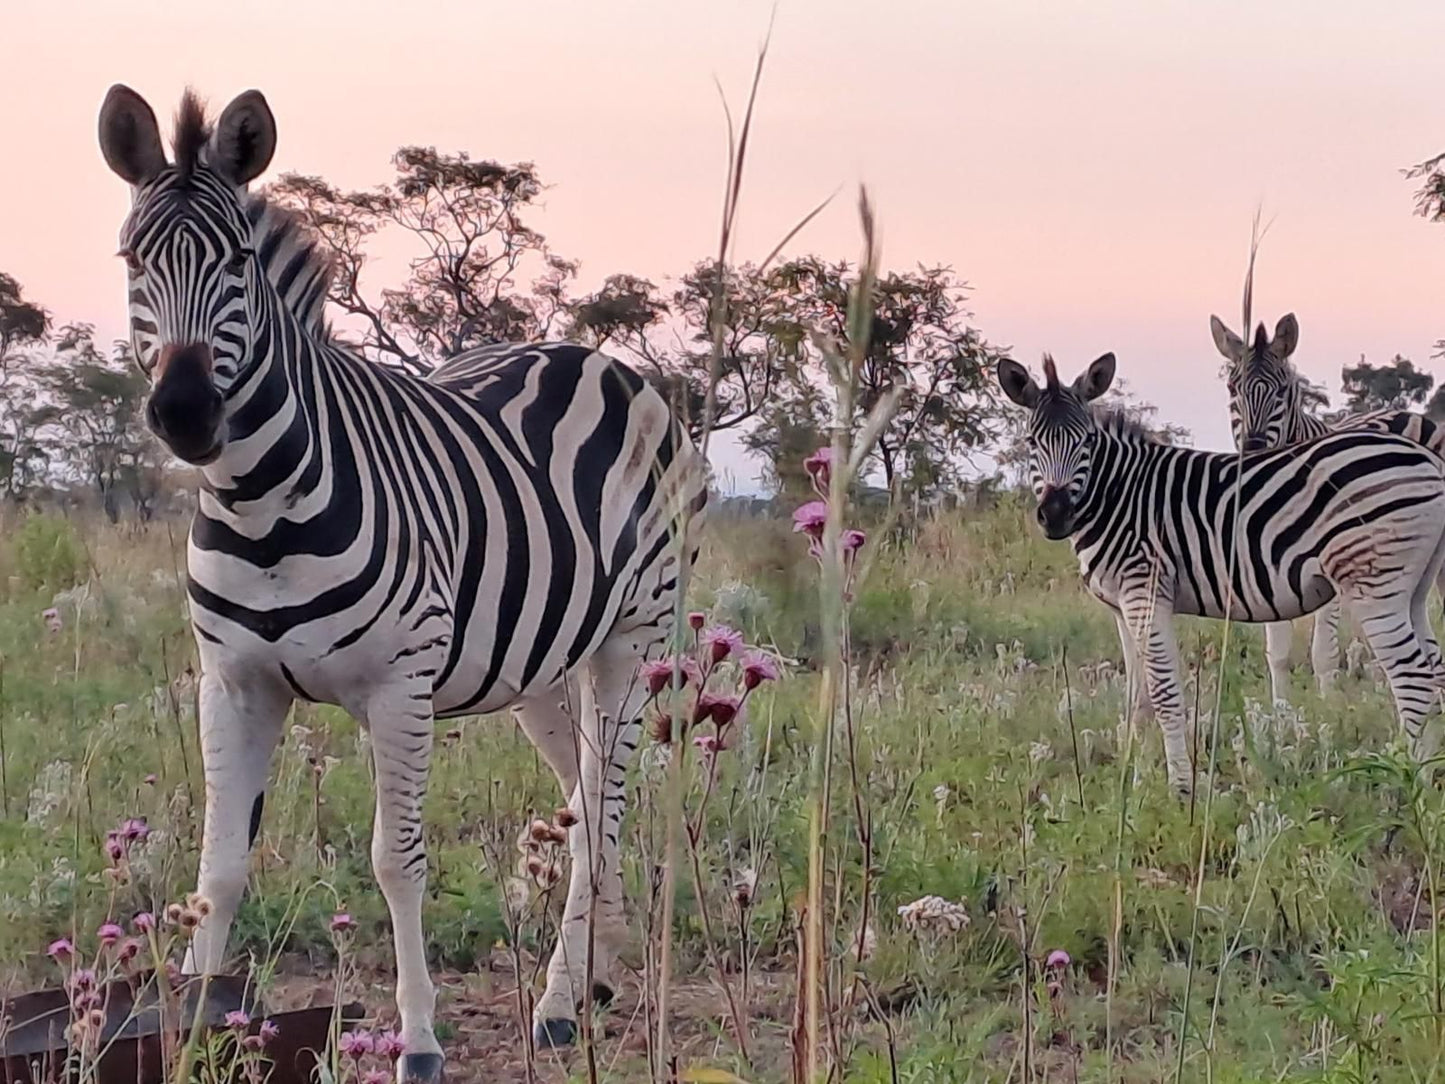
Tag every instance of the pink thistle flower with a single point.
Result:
(82, 979)
(60, 950)
(758, 667)
(810, 518)
(357, 1044)
(342, 923)
(720, 709)
(238, 1020)
(696, 620)
(114, 848)
(722, 641)
(389, 1045)
(150, 780)
(853, 540)
(658, 675)
(1058, 959)
(708, 744)
(109, 934)
(377, 1076)
(51, 617)
(263, 1036)
(134, 829)
(144, 922)
(129, 950)
(819, 466)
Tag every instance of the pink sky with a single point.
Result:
(1091, 168)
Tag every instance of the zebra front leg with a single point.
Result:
(1151, 623)
(1278, 639)
(592, 930)
(1325, 646)
(1137, 708)
(402, 726)
(240, 723)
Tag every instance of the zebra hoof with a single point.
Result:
(602, 995)
(551, 1034)
(419, 1069)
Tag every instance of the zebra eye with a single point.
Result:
(132, 261)
(237, 263)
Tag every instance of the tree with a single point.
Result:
(1430, 205)
(471, 246)
(1397, 386)
(23, 325)
(90, 420)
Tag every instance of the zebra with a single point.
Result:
(1269, 408)
(1357, 514)
(507, 533)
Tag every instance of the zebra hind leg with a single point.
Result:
(1325, 646)
(1389, 626)
(592, 930)
(1151, 623)
(401, 723)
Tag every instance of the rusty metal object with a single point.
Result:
(34, 1049)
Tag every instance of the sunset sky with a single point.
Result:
(1091, 168)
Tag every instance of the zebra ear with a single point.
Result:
(1286, 336)
(244, 140)
(1095, 380)
(130, 138)
(1017, 384)
(1225, 341)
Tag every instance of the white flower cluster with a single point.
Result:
(934, 913)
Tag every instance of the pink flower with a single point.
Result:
(758, 667)
(377, 1076)
(1055, 988)
(357, 1044)
(819, 466)
(114, 848)
(723, 641)
(696, 620)
(60, 950)
(658, 675)
(51, 617)
(389, 1045)
(853, 540)
(144, 921)
(263, 1036)
(82, 979)
(109, 934)
(150, 780)
(238, 1020)
(129, 950)
(134, 830)
(720, 709)
(1058, 959)
(173, 974)
(342, 923)
(809, 519)
(708, 744)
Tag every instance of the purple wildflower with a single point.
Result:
(810, 518)
(389, 1045)
(109, 934)
(696, 620)
(723, 641)
(144, 922)
(853, 540)
(134, 829)
(342, 923)
(238, 1020)
(658, 675)
(819, 466)
(357, 1044)
(1058, 959)
(60, 950)
(758, 667)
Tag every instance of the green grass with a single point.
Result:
(1319, 839)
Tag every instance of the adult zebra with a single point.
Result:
(1268, 408)
(506, 533)
(1359, 514)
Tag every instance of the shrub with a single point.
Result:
(49, 553)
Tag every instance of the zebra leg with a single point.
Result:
(1325, 646)
(1278, 639)
(1151, 623)
(401, 723)
(549, 723)
(240, 724)
(1137, 708)
(610, 712)
(1411, 667)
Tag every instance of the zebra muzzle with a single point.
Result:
(1056, 513)
(185, 410)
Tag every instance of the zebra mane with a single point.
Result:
(295, 260)
(1118, 424)
(190, 135)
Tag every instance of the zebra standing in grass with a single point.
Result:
(503, 534)
(1357, 514)
(1268, 409)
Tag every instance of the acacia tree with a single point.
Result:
(24, 326)
(90, 420)
(1396, 386)
(465, 222)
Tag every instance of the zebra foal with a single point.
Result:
(1269, 408)
(506, 533)
(1357, 514)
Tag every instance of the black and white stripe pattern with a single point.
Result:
(1269, 408)
(1357, 514)
(504, 534)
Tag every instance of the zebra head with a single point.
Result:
(1264, 390)
(1061, 436)
(188, 255)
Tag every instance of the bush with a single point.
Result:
(49, 553)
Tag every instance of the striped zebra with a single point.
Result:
(1357, 514)
(1269, 408)
(507, 533)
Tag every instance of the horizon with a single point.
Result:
(1091, 173)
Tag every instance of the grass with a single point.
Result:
(1315, 954)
